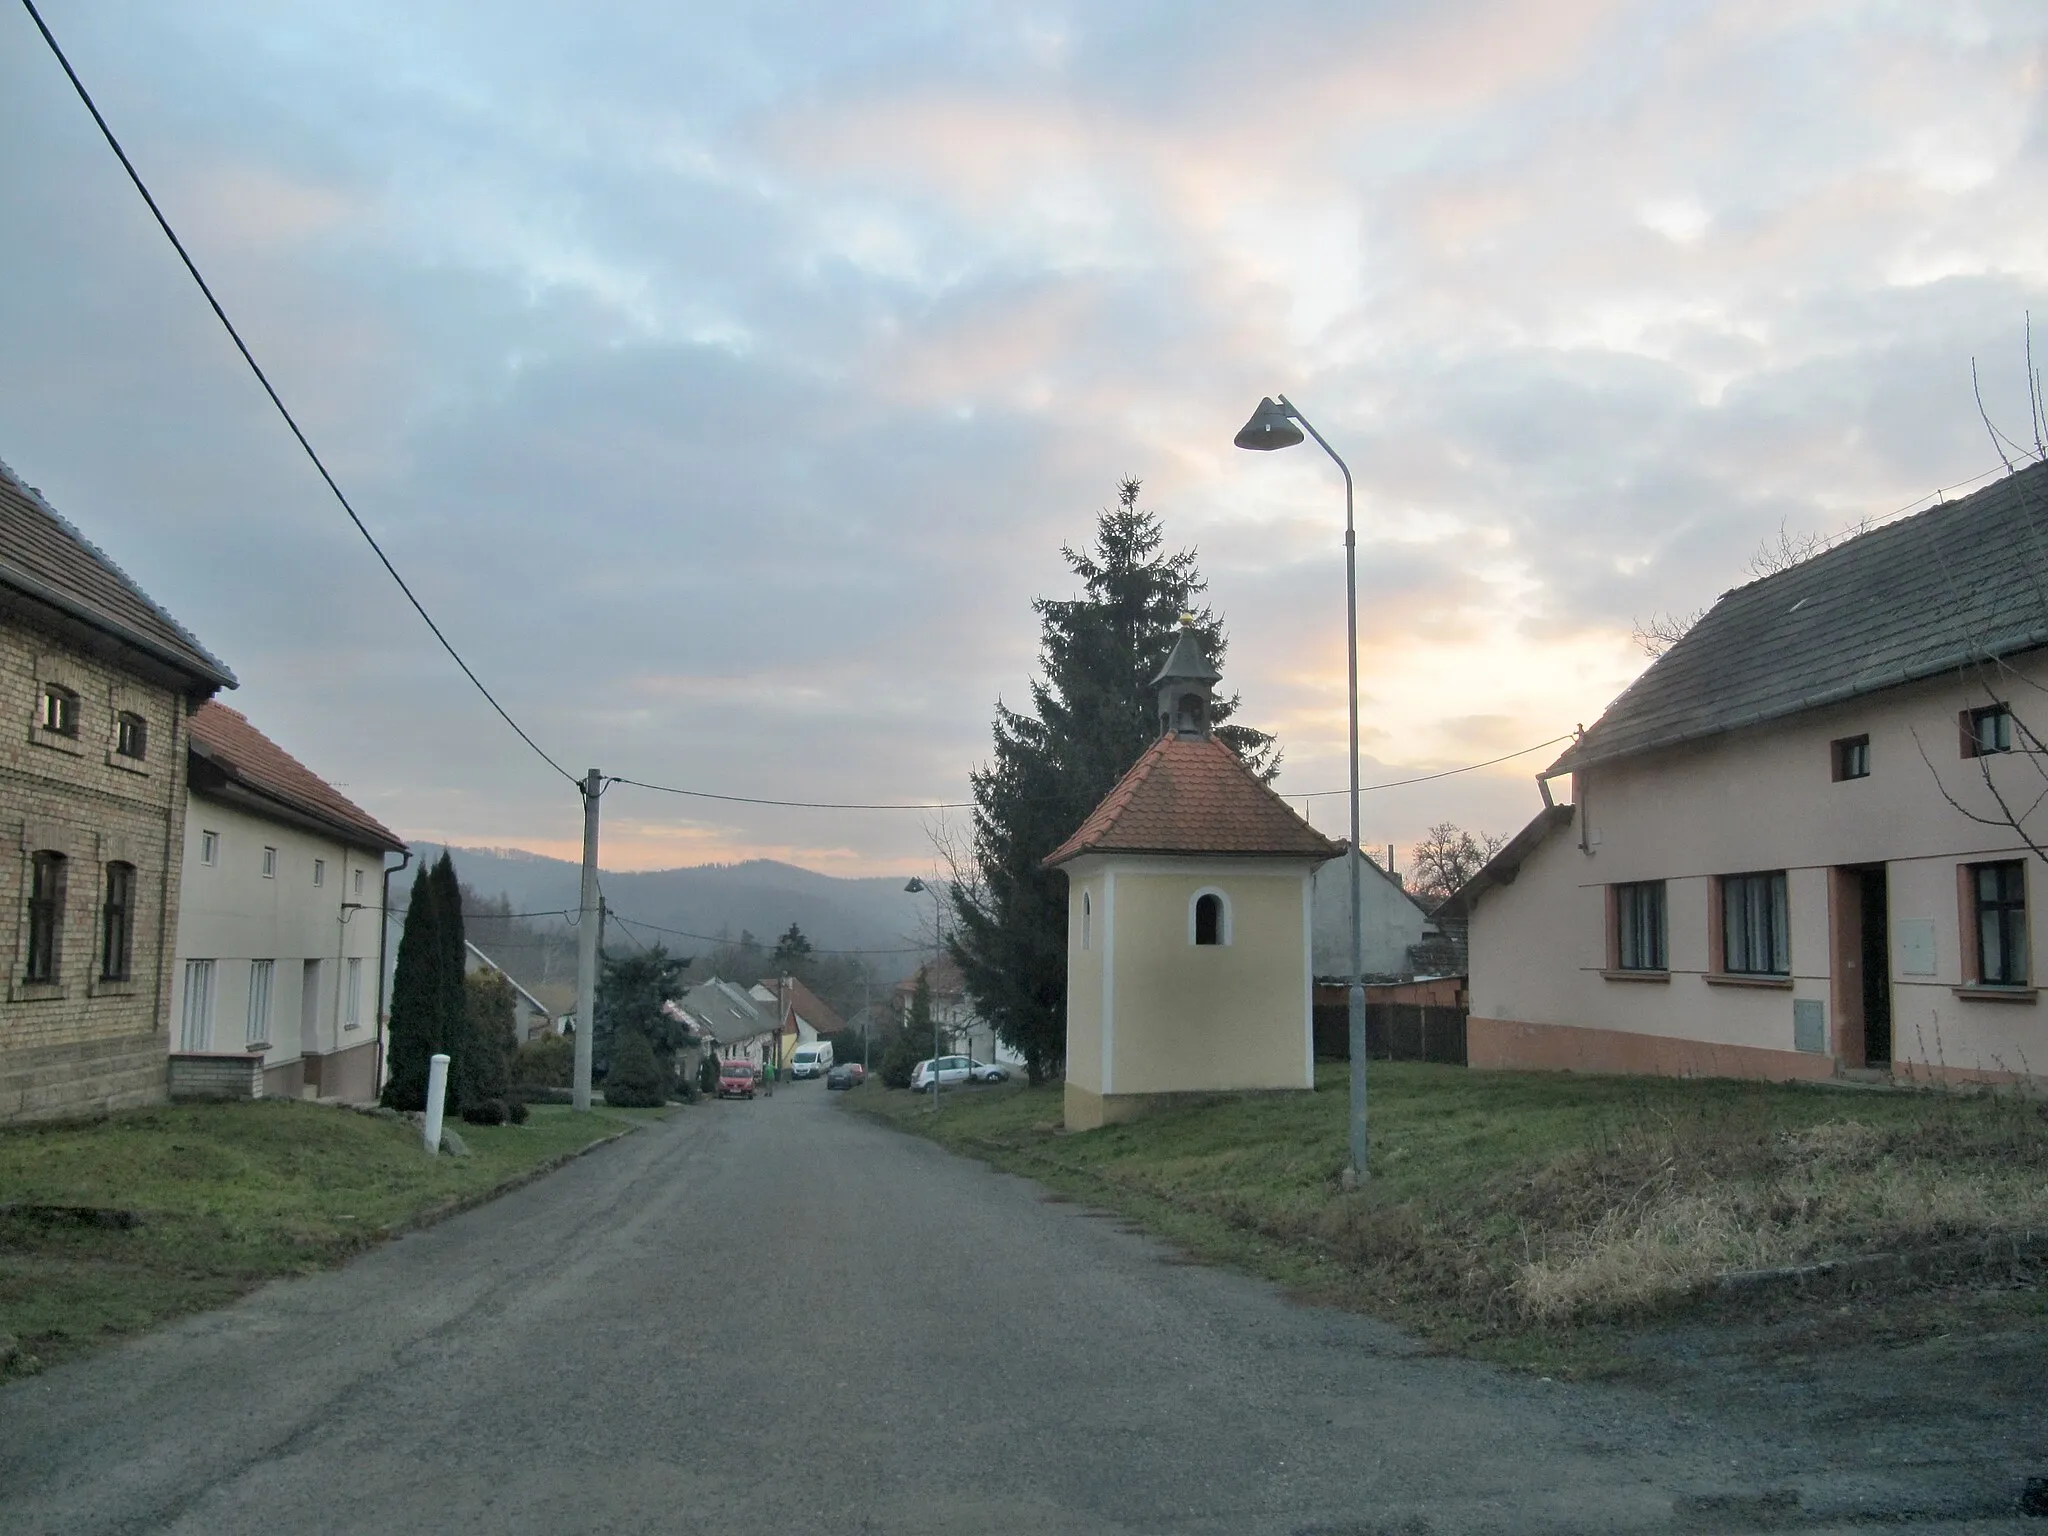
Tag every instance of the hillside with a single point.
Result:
(760, 896)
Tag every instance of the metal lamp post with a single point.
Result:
(1274, 425)
(917, 887)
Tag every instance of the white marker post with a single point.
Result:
(437, 1097)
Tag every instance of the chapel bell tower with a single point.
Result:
(1187, 686)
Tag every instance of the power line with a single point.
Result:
(1366, 789)
(802, 805)
(262, 378)
(713, 938)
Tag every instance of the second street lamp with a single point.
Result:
(917, 887)
(1277, 424)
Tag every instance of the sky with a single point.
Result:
(727, 380)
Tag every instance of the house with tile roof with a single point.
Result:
(1806, 843)
(1190, 923)
(100, 683)
(281, 925)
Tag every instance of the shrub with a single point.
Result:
(515, 1111)
(636, 1078)
(487, 1112)
(549, 1063)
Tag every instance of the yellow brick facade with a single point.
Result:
(84, 1045)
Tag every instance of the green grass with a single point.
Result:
(228, 1196)
(1522, 1216)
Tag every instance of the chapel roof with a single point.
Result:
(1193, 795)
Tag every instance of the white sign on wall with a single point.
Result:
(1914, 937)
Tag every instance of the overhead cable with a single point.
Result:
(262, 378)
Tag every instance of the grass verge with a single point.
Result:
(1524, 1216)
(225, 1196)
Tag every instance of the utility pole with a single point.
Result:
(586, 942)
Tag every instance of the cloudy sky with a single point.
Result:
(727, 378)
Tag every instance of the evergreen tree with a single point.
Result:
(636, 1080)
(792, 952)
(631, 992)
(911, 1040)
(453, 964)
(1092, 715)
(491, 1039)
(416, 999)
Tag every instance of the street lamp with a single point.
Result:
(917, 887)
(1274, 425)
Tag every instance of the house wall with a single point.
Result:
(1393, 922)
(84, 1045)
(1765, 799)
(234, 916)
(1174, 1017)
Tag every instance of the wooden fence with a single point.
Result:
(1416, 1021)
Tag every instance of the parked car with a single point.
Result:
(811, 1060)
(846, 1075)
(987, 1072)
(950, 1070)
(736, 1079)
(859, 1071)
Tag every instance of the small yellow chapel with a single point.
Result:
(1189, 922)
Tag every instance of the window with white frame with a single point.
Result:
(359, 882)
(1209, 919)
(260, 973)
(195, 1029)
(60, 710)
(1087, 921)
(131, 736)
(1756, 925)
(270, 863)
(319, 871)
(209, 847)
(352, 995)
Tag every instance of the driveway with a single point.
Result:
(779, 1317)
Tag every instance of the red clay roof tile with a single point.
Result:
(1193, 795)
(225, 738)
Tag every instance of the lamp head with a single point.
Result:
(1272, 426)
(916, 886)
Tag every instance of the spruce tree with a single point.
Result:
(636, 1080)
(1092, 716)
(453, 965)
(416, 998)
(491, 1038)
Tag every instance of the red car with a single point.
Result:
(736, 1079)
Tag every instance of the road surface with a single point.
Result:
(781, 1317)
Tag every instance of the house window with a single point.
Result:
(60, 710)
(1852, 758)
(2000, 892)
(1087, 921)
(45, 918)
(117, 923)
(258, 1030)
(209, 847)
(1209, 919)
(270, 863)
(352, 995)
(195, 1029)
(1987, 731)
(319, 871)
(1639, 926)
(359, 882)
(1756, 936)
(131, 736)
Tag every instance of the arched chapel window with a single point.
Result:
(1087, 921)
(1210, 925)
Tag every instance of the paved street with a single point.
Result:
(778, 1317)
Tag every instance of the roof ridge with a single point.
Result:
(113, 568)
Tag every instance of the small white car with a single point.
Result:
(954, 1070)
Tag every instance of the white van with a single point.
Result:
(813, 1060)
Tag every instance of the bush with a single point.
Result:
(636, 1080)
(487, 1112)
(515, 1111)
(549, 1063)
(906, 1049)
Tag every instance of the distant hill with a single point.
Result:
(760, 896)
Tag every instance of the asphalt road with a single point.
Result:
(780, 1317)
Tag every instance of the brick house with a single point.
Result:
(100, 683)
(280, 922)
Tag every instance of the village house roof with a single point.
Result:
(48, 567)
(725, 1013)
(789, 992)
(1962, 582)
(489, 964)
(1193, 795)
(234, 762)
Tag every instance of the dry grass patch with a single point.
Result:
(1506, 1207)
